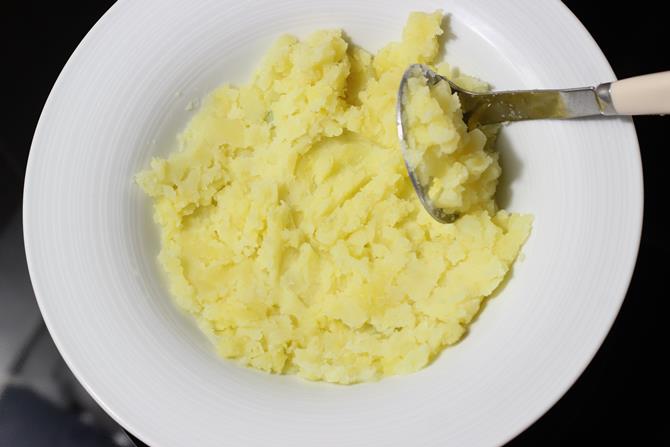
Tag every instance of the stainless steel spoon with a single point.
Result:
(641, 95)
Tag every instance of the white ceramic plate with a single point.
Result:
(91, 243)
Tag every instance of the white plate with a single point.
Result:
(91, 243)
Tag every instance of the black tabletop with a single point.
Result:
(618, 395)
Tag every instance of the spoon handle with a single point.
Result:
(642, 95)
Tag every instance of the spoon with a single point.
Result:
(640, 95)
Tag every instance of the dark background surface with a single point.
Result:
(618, 395)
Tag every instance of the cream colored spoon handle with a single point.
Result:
(642, 95)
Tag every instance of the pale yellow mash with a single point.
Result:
(290, 229)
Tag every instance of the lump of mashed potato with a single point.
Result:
(450, 162)
(291, 231)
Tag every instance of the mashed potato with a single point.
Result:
(452, 163)
(291, 231)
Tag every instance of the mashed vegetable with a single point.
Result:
(452, 163)
(291, 231)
